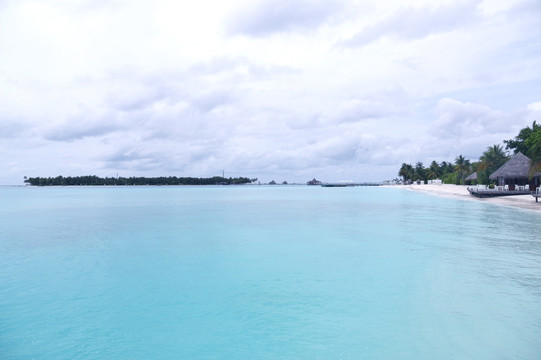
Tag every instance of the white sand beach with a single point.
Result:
(461, 192)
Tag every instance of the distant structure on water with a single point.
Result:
(313, 182)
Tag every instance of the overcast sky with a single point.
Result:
(273, 89)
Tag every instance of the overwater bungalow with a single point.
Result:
(515, 172)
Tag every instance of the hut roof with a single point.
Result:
(472, 177)
(517, 167)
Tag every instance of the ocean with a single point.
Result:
(265, 272)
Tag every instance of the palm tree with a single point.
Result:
(406, 171)
(498, 151)
(462, 166)
(420, 173)
(434, 170)
(493, 157)
(446, 167)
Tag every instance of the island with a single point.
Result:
(92, 180)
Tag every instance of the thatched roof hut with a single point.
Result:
(517, 166)
(515, 171)
(472, 177)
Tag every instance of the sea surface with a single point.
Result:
(263, 272)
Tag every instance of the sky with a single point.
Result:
(274, 89)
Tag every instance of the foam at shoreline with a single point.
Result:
(461, 192)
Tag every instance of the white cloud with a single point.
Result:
(457, 119)
(418, 22)
(10, 128)
(469, 128)
(266, 17)
(534, 107)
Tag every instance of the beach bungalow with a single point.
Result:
(471, 179)
(513, 173)
(314, 182)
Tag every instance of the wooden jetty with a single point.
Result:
(483, 191)
(349, 184)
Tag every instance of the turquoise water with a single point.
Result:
(255, 272)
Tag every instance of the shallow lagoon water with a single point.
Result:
(263, 272)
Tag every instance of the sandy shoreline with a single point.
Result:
(461, 192)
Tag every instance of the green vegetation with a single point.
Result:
(444, 170)
(493, 157)
(528, 142)
(533, 145)
(462, 167)
(171, 180)
(523, 141)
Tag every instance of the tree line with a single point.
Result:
(91, 180)
(528, 142)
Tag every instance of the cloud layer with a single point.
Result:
(269, 17)
(269, 89)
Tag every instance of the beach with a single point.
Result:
(461, 192)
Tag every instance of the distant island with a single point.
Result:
(93, 180)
